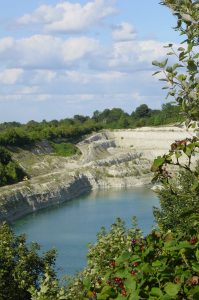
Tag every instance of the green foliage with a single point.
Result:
(163, 265)
(65, 149)
(124, 265)
(182, 77)
(14, 137)
(142, 111)
(25, 135)
(20, 265)
(142, 116)
(48, 290)
(10, 171)
(179, 204)
(179, 195)
(71, 130)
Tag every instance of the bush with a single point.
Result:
(124, 265)
(10, 171)
(179, 204)
(21, 267)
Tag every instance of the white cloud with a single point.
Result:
(46, 76)
(77, 76)
(135, 55)
(69, 17)
(6, 43)
(124, 32)
(110, 76)
(85, 78)
(27, 90)
(77, 48)
(51, 52)
(45, 51)
(10, 76)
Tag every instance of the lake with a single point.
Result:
(71, 226)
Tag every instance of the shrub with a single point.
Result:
(179, 204)
(124, 265)
(21, 267)
(10, 171)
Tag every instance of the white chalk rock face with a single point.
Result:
(118, 158)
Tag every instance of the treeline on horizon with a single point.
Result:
(71, 129)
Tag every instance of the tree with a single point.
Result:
(10, 171)
(179, 197)
(182, 77)
(21, 267)
(142, 111)
(80, 118)
(96, 115)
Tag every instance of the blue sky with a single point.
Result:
(60, 58)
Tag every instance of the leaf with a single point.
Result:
(134, 296)
(175, 66)
(172, 289)
(181, 56)
(161, 64)
(155, 63)
(156, 292)
(181, 49)
(192, 67)
(130, 283)
(184, 245)
(121, 273)
(87, 283)
(197, 254)
(194, 291)
(157, 72)
(178, 154)
(164, 63)
(135, 258)
(157, 263)
(147, 268)
(105, 293)
(196, 56)
(181, 77)
(119, 297)
(123, 257)
(195, 185)
(189, 149)
(169, 69)
(195, 267)
(158, 162)
(168, 46)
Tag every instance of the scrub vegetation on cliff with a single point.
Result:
(123, 264)
(71, 130)
(63, 135)
(10, 171)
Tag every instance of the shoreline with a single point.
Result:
(110, 159)
(25, 200)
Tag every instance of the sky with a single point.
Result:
(61, 58)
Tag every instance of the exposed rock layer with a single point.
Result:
(120, 158)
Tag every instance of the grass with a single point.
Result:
(65, 149)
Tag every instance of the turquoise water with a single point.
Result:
(71, 226)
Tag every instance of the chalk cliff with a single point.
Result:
(119, 158)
